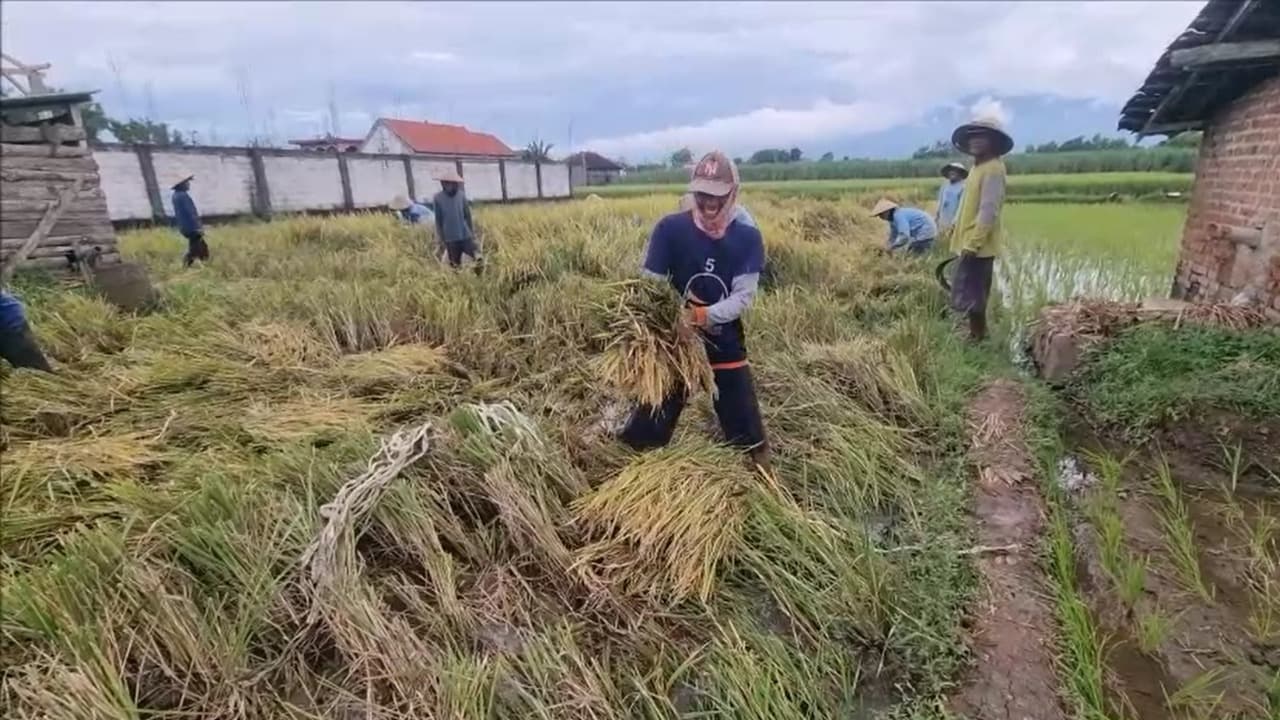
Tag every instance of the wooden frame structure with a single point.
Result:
(53, 212)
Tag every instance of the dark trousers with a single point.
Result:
(20, 348)
(456, 250)
(197, 248)
(736, 407)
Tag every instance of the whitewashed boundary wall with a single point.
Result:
(261, 181)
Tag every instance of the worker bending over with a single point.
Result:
(949, 193)
(714, 261)
(454, 228)
(909, 227)
(17, 343)
(976, 237)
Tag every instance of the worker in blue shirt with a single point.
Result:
(415, 213)
(714, 261)
(187, 218)
(17, 343)
(909, 228)
(949, 194)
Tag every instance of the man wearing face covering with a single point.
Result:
(714, 261)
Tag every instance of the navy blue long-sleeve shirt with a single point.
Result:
(185, 215)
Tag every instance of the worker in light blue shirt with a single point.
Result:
(909, 228)
(949, 197)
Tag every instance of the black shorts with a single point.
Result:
(736, 406)
(971, 284)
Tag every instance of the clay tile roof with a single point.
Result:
(437, 138)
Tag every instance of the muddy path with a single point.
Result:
(1012, 677)
(1208, 660)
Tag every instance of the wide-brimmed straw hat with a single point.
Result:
(449, 176)
(399, 202)
(990, 125)
(715, 174)
(883, 206)
(954, 166)
(184, 177)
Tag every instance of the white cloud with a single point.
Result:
(989, 107)
(643, 76)
(767, 126)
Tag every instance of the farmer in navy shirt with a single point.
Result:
(187, 219)
(714, 261)
(17, 343)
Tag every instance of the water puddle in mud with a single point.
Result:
(1073, 476)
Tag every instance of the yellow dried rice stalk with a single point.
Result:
(667, 521)
(648, 358)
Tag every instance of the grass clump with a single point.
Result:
(1154, 374)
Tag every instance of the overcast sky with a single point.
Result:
(635, 80)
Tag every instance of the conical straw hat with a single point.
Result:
(884, 205)
(1004, 141)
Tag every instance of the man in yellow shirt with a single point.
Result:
(976, 234)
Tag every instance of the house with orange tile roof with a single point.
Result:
(390, 136)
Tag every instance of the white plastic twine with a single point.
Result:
(357, 498)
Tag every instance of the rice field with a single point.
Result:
(329, 478)
(1054, 252)
(1063, 187)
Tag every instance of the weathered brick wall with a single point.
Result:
(1237, 185)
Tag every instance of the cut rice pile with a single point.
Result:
(203, 514)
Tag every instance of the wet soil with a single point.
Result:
(1206, 638)
(1012, 677)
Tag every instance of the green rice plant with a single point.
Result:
(1197, 699)
(1082, 658)
(1127, 571)
(1151, 629)
(1179, 535)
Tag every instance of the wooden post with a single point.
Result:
(502, 178)
(148, 167)
(51, 215)
(537, 169)
(408, 178)
(261, 198)
(348, 200)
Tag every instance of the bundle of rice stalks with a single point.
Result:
(81, 458)
(665, 524)
(882, 379)
(396, 364)
(527, 479)
(648, 357)
(303, 418)
(822, 572)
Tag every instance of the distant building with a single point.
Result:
(588, 168)
(329, 143)
(1222, 76)
(412, 137)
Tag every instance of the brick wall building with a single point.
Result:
(1222, 76)
(1232, 231)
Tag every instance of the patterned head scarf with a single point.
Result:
(715, 174)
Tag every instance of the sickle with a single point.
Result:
(940, 272)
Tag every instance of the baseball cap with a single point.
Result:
(715, 174)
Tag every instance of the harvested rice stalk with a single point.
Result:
(666, 522)
(647, 357)
(872, 372)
